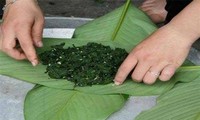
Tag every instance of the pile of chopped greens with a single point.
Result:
(90, 64)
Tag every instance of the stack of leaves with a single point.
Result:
(54, 99)
(90, 64)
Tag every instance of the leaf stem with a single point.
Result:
(187, 68)
(121, 19)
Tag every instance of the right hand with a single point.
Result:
(23, 22)
(157, 56)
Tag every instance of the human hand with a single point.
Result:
(22, 23)
(157, 56)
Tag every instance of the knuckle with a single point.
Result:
(31, 57)
(164, 78)
(23, 44)
(16, 22)
(26, 44)
(5, 48)
(40, 24)
(119, 74)
(147, 58)
(143, 56)
(119, 78)
(24, 22)
(18, 28)
(136, 77)
(135, 54)
(149, 82)
(5, 28)
(168, 73)
(122, 69)
(42, 21)
(37, 36)
(19, 23)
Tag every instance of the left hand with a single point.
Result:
(21, 30)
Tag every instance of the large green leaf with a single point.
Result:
(132, 26)
(44, 103)
(180, 103)
(125, 27)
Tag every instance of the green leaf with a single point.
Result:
(198, 117)
(132, 29)
(134, 26)
(44, 103)
(180, 103)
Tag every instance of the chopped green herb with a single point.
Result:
(90, 64)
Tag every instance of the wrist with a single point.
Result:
(187, 22)
(181, 36)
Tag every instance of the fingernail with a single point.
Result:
(40, 44)
(34, 63)
(117, 83)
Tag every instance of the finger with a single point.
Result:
(140, 71)
(147, 5)
(26, 43)
(168, 72)
(37, 31)
(8, 46)
(153, 73)
(8, 43)
(149, 2)
(145, 9)
(125, 68)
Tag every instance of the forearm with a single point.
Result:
(187, 22)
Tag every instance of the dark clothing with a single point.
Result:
(174, 7)
(2, 3)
